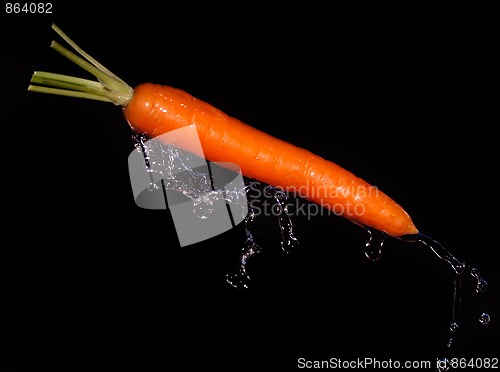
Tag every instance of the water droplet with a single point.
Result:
(373, 252)
(443, 364)
(454, 327)
(373, 247)
(288, 240)
(239, 278)
(203, 206)
(459, 268)
(481, 285)
(484, 318)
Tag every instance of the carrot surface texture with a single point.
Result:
(154, 109)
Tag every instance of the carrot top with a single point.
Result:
(108, 87)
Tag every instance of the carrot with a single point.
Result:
(155, 109)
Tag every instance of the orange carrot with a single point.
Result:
(155, 109)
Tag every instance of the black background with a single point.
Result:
(404, 98)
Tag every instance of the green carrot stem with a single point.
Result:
(108, 88)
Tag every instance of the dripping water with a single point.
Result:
(170, 161)
(373, 247)
(461, 269)
(373, 251)
(173, 166)
(239, 278)
(481, 283)
(288, 241)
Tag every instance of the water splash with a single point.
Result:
(174, 167)
(170, 162)
(461, 269)
(373, 251)
(203, 205)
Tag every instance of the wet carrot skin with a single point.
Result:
(156, 109)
